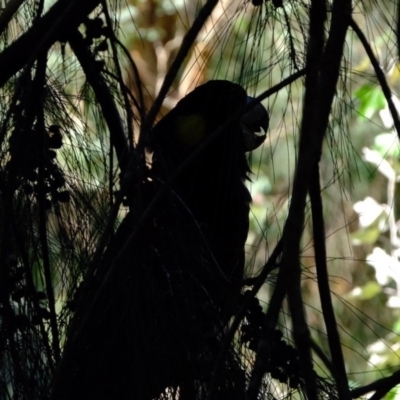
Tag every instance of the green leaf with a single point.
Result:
(371, 100)
(396, 326)
(365, 236)
(366, 292)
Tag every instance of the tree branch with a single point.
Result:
(381, 387)
(309, 150)
(65, 16)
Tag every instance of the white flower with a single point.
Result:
(368, 211)
(385, 266)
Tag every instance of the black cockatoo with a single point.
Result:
(154, 317)
(212, 186)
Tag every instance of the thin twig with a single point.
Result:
(187, 43)
(379, 74)
(338, 365)
(103, 96)
(120, 79)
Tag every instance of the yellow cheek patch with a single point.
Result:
(191, 129)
